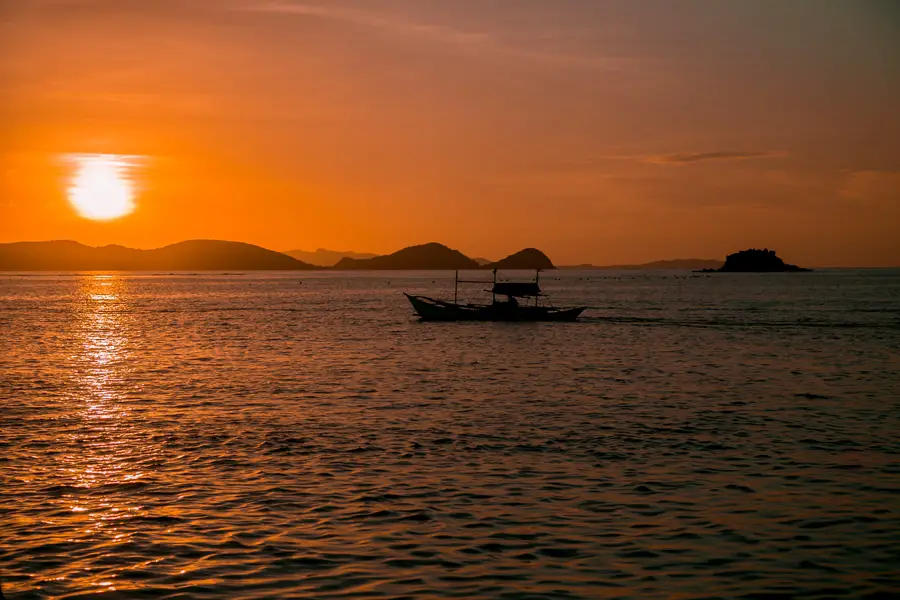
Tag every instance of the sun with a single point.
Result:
(101, 187)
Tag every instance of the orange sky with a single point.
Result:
(599, 131)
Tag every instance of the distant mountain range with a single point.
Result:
(200, 255)
(326, 258)
(192, 255)
(675, 264)
(329, 258)
(205, 255)
(433, 256)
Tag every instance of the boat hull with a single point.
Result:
(430, 309)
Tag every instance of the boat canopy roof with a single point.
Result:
(519, 289)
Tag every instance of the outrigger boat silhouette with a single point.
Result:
(431, 309)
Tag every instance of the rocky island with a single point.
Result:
(755, 260)
(529, 258)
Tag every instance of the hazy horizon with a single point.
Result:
(505, 253)
(603, 132)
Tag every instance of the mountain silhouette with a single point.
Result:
(431, 256)
(206, 255)
(192, 255)
(326, 258)
(755, 260)
(529, 258)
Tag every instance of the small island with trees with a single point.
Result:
(755, 260)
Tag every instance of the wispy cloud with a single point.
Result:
(483, 43)
(371, 19)
(882, 187)
(685, 158)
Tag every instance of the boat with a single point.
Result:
(510, 309)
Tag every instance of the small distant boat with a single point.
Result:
(510, 309)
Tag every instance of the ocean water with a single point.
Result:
(302, 435)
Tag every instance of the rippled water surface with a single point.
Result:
(303, 436)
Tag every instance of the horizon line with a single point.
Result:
(570, 265)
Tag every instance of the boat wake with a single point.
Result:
(729, 323)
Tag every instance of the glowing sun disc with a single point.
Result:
(101, 188)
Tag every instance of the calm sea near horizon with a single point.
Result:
(302, 435)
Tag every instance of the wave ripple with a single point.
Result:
(222, 437)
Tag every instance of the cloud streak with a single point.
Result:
(686, 158)
(476, 42)
(873, 186)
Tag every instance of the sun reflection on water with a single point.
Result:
(103, 344)
(110, 448)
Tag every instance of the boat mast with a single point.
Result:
(493, 287)
(455, 286)
(537, 274)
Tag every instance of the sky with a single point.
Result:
(600, 131)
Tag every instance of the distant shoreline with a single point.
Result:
(217, 255)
